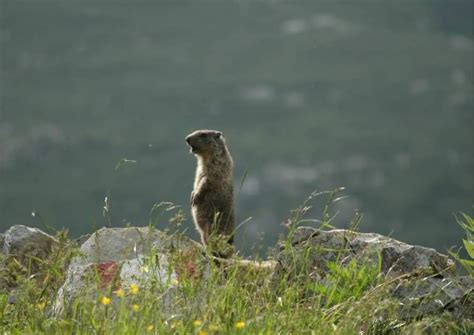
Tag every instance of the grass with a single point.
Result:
(467, 224)
(352, 298)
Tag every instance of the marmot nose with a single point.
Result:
(187, 139)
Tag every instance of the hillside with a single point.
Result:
(376, 97)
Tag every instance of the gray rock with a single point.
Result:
(462, 307)
(422, 280)
(81, 239)
(115, 244)
(119, 257)
(396, 257)
(25, 242)
(432, 295)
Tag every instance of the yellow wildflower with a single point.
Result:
(150, 328)
(134, 289)
(40, 306)
(120, 293)
(136, 307)
(197, 323)
(145, 269)
(105, 301)
(202, 332)
(239, 325)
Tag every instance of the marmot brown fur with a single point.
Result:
(212, 198)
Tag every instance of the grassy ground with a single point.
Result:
(352, 299)
(235, 303)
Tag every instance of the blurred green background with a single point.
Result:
(376, 96)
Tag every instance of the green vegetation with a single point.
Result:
(467, 223)
(353, 298)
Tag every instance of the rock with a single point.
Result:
(422, 280)
(395, 257)
(23, 242)
(422, 296)
(81, 239)
(115, 244)
(116, 258)
(462, 307)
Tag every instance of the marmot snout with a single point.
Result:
(204, 141)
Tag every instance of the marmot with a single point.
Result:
(212, 199)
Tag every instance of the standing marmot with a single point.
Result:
(212, 198)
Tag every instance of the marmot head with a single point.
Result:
(204, 142)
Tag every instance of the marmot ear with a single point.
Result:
(218, 134)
